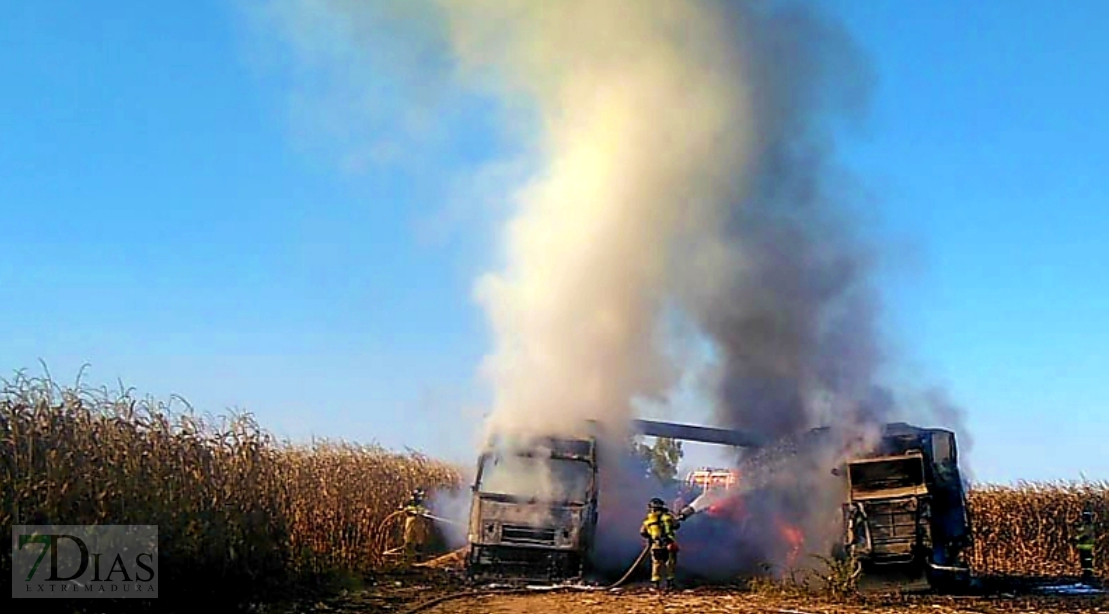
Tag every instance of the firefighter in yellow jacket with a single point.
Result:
(415, 525)
(660, 528)
(1084, 540)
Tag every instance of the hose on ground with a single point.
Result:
(522, 591)
(631, 569)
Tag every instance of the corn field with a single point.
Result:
(236, 508)
(1026, 529)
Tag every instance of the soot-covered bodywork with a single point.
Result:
(905, 508)
(534, 510)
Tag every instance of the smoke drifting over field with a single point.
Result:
(683, 158)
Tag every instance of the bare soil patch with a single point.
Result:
(397, 593)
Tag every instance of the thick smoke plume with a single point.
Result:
(681, 153)
(645, 130)
(683, 156)
(685, 151)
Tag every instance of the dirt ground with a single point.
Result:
(704, 601)
(399, 593)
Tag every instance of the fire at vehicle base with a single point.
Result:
(904, 510)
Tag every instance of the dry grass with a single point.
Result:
(1026, 529)
(236, 508)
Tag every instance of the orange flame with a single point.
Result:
(793, 537)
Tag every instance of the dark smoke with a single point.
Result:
(794, 319)
(685, 154)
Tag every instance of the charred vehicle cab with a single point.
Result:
(534, 510)
(905, 508)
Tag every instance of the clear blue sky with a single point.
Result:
(167, 218)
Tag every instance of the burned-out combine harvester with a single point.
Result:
(905, 518)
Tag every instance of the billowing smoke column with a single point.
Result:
(645, 125)
(685, 151)
(683, 164)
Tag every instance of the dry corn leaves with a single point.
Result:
(1026, 529)
(229, 499)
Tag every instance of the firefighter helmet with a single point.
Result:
(656, 504)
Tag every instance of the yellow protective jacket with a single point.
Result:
(660, 528)
(412, 508)
(1085, 537)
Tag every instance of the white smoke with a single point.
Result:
(644, 128)
(682, 160)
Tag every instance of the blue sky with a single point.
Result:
(170, 217)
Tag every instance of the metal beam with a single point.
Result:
(704, 434)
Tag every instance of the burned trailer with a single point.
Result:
(905, 513)
(533, 513)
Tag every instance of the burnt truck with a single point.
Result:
(535, 503)
(533, 512)
(904, 510)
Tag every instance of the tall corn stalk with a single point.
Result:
(234, 507)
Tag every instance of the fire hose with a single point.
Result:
(527, 590)
(685, 513)
(631, 569)
(385, 521)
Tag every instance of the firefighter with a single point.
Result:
(659, 528)
(415, 525)
(1084, 542)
